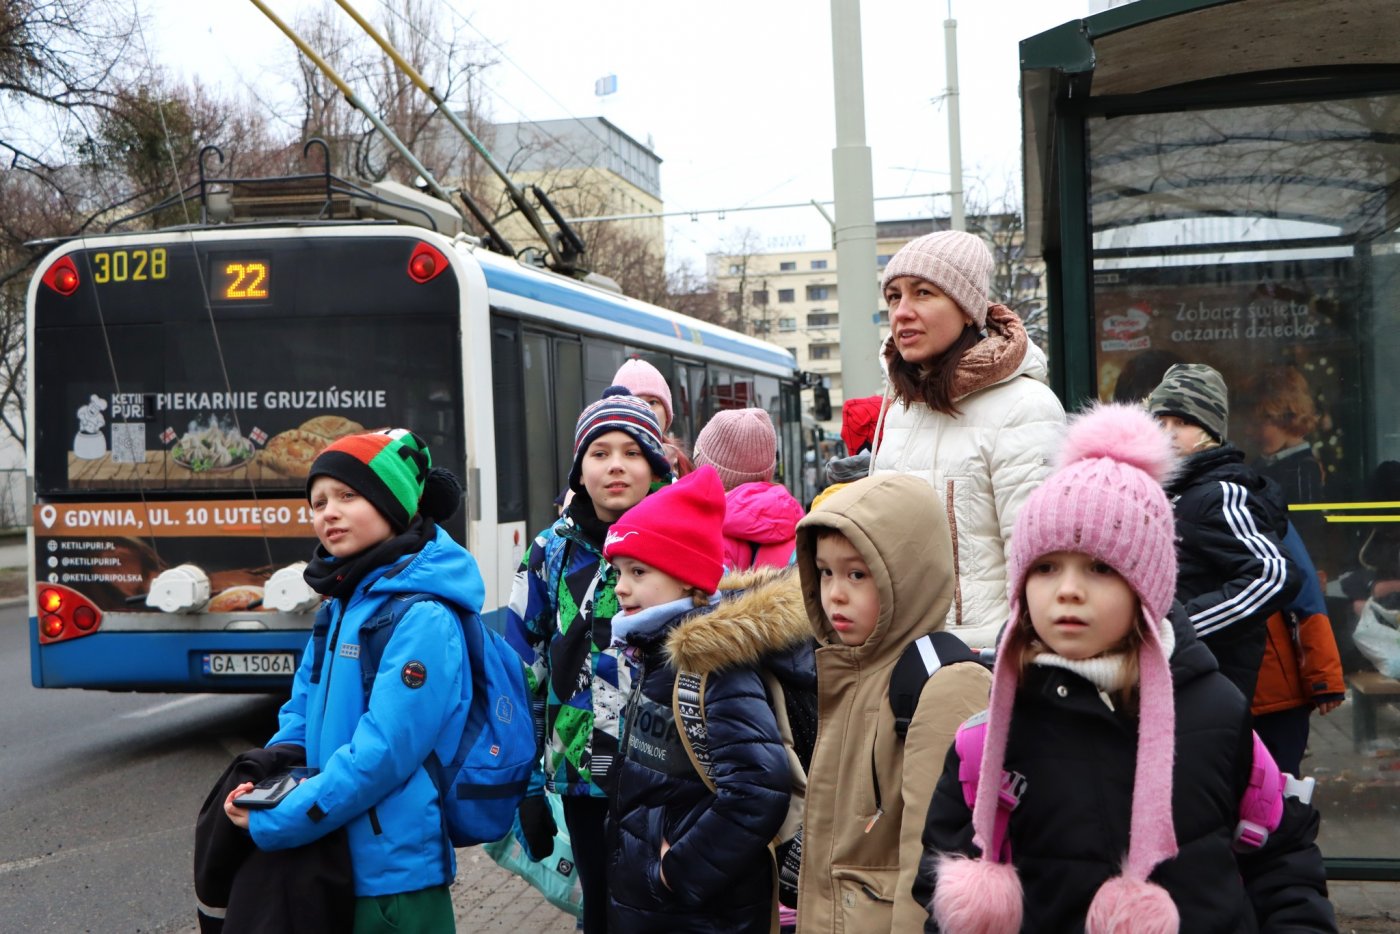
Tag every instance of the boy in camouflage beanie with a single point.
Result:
(1195, 393)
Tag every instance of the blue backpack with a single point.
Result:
(481, 786)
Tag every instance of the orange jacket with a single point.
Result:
(1301, 664)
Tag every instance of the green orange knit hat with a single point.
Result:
(393, 470)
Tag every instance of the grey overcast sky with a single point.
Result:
(735, 95)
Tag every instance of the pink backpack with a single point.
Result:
(1261, 807)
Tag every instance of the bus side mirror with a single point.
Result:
(821, 403)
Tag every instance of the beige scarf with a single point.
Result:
(995, 357)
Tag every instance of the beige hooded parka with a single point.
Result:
(868, 792)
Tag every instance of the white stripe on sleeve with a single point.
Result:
(1260, 590)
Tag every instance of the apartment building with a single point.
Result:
(789, 298)
(589, 167)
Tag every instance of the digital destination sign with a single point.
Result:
(240, 279)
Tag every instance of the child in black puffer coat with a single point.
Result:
(685, 858)
(1113, 757)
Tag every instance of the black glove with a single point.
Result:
(537, 827)
(789, 855)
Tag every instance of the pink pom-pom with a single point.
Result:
(1132, 906)
(975, 896)
(1123, 433)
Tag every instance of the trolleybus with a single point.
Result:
(182, 381)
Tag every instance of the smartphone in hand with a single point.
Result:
(269, 792)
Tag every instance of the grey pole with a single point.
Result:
(857, 292)
(950, 42)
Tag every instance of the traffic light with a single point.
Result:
(821, 403)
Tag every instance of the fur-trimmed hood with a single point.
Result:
(761, 614)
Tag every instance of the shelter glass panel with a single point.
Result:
(1262, 240)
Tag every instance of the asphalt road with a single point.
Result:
(101, 793)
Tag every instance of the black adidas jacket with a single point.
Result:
(1233, 572)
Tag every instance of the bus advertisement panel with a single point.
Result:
(183, 390)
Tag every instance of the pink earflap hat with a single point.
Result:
(1105, 500)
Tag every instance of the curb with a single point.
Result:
(8, 602)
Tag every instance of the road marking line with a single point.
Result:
(28, 862)
(168, 705)
(15, 865)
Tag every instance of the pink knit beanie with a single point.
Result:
(643, 379)
(1104, 500)
(740, 444)
(959, 263)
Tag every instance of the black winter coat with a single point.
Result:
(1069, 834)
(240, 889)
(1233, 572)
(719, 871)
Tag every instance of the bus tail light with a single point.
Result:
(62, 277)
(426, 263)
(65, 614)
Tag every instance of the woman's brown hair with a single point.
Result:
(931, 383)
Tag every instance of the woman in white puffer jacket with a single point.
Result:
(966, 407)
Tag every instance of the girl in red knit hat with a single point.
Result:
(684, 856)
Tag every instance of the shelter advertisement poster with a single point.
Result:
(1242, 318)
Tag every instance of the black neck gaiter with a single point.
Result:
(338, 577)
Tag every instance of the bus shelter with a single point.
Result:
(1218, 181)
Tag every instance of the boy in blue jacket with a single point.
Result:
(375, 502)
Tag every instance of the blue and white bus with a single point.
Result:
(182, 381)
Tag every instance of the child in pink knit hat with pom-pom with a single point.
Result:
(1114, 756)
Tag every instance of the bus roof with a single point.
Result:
(603, 312)
(516, 286)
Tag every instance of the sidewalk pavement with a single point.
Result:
(488, 898)
(1366, 907)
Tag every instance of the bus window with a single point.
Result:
(509, 412)
(601, 360)
(790, 444)
(683, 405)
(568, 396)
(541, 469)
(723, 393)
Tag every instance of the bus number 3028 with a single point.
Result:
(128, 265)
